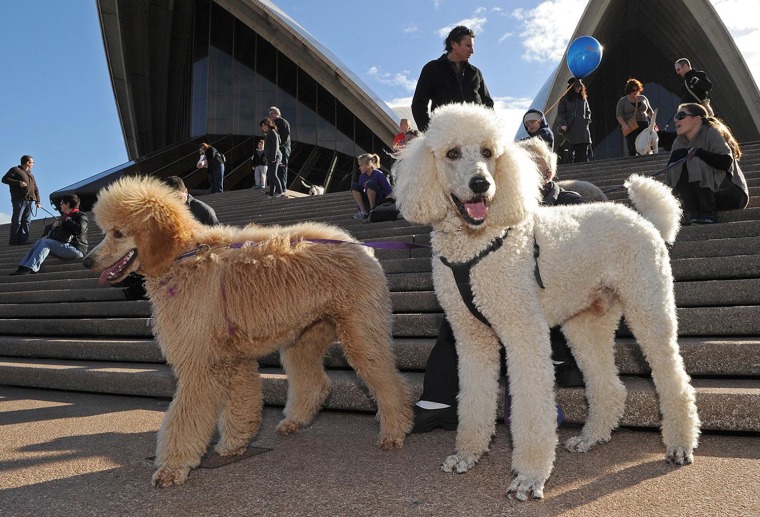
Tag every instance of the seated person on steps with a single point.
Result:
(67, 238)
(372, 188)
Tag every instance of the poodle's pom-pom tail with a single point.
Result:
(656, 203)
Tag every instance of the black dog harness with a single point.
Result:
(462, 270)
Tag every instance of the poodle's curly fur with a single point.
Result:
(596, 261)
(224, 296)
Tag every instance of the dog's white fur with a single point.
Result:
(647, 142)
(597, 261)
(314, 190)
(219, 309)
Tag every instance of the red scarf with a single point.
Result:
(66, 216)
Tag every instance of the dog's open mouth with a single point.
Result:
(115, 271)
(473, 211)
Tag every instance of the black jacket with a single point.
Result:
(697, 82)
(439, 85)
(76, 226)
(201, 211)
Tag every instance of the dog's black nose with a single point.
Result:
(479, 184)
(87, 262)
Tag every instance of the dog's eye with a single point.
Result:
(117, 234)
(453, 154)
(486, 153)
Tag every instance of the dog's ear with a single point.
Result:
(518, 186)
(421, 195)
(161, 237)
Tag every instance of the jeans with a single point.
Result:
(275, 177)
(285, 150)
(217, 180)
(40, 249)
(20, 219)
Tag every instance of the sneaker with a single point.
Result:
(279, 195)
(707, 219)
(361, 214)
(425, 420)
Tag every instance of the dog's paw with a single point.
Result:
(523, 488)
(166, 476)
(286, 427)
(388, 441)
(580, 444)
(459, 463)
(230, 449)
(679, 456)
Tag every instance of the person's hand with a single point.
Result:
(678, 154)
(563, 128)
(39, 205)
(56, 223)
(22, 183)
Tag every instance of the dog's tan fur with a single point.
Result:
(596, 261)
(216, 311)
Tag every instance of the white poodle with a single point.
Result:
(528, 268)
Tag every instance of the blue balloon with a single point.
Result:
(584, 56)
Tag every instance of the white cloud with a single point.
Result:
(476, 24)
(743, 28)
(400, 102)
(510, 111)
(5, 218)
(546, 29)
(437, 3)
(400, 79)
(411, 29)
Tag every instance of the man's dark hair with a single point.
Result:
(175, 182)
(26, 158)
(456, 35)
(71, 199)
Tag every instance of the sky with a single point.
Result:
(57, 102)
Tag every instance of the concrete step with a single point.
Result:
(703, 357)
(724, 405)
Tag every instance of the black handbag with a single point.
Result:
(59, 234)
(385, 211)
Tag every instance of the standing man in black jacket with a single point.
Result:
(24, 195)
(696, 85)
(450, 78)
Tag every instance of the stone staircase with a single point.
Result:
(60, 330)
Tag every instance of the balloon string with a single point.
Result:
(559, 99)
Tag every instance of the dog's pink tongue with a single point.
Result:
(476, 210)
(104, 275)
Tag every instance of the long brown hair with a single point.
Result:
(699, 110)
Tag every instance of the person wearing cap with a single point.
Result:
(574, 119)
(535, 124)
(450, 78)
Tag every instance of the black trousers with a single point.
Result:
(441, 382)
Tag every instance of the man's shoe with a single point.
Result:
(568, 375)
(425, 420)
(22, 270)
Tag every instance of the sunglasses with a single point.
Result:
(682, 115)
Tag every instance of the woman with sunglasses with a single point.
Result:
(710, 178)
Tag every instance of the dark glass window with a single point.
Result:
(266, 59)
(287, 75)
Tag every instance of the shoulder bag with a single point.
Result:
(633, 125)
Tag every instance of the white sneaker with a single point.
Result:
(360, 215)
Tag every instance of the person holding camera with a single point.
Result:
(66, 239)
